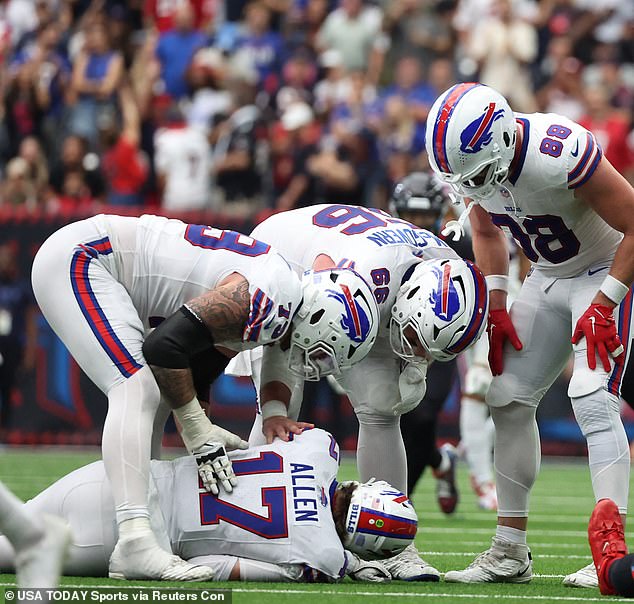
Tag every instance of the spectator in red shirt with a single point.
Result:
(124, 166)
(611, 127)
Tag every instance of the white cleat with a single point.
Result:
(140, 557)
(503, 562)
(409, 566)
(584, 577)
(40, 564)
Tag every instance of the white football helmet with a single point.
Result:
(381, 521)
(470, 139)
(445, 303)
(335, 326)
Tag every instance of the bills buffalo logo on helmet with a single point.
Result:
(354, 320)
(478, 133)
(445, 299)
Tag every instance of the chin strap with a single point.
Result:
(455, 228)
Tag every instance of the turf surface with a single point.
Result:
(561, 504)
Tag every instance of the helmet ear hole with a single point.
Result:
(412, 292)
(315, 317)
(507, 139)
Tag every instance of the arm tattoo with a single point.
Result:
(224, 310)
(176, 385)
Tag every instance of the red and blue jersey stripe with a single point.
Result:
(587, 163)
(91, 309)
(625, 333)
(442, 124)
(261, 306)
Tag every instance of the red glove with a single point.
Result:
(500, 329)
(598, 327)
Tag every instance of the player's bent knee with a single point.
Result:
(504, 390)
(367, 418)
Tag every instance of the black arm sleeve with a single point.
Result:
(176, 340)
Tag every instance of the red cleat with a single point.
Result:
(446, 489)
(607, 541)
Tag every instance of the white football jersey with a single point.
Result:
(279, 512)
(183, 155)
(174, 262)
(381, 248)
(559, 233)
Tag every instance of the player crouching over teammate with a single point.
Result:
(289, 520)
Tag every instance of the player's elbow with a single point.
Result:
(176, 340)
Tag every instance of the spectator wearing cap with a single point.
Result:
(331, 170)
(264, 48)
(175, 50)
(182, 159)
(97, 72)
(354, 29)
(287, 138)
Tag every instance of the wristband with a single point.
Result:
(272, 408)
(614, 289)
(500, 282)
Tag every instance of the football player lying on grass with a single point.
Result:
(288, 519)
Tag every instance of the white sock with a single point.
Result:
(510, 534)
(477, 439)
(445, 462)
(126, 442)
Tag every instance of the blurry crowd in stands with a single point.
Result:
(236, 106)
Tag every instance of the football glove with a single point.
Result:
(367, 571)
(500, 329)
(213, 464)
(598, 327)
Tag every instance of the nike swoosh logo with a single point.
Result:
(596, 270)
(576, 151)
(524, 570)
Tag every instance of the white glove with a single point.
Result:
(367, 571)
(213, 464)
(412, 385)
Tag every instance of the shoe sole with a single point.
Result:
(422, 579)
(573, 583)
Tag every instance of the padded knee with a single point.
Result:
(599, 418)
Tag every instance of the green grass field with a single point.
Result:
(561, 505)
